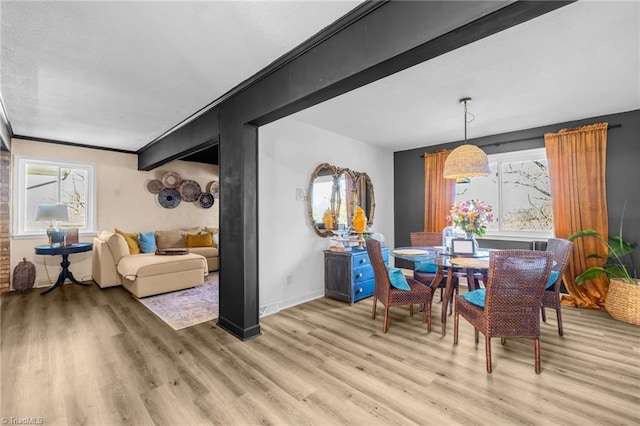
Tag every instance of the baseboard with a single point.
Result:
(237, 331)
(274, 308)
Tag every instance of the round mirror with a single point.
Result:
(334, 193)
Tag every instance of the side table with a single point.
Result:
(64, 251)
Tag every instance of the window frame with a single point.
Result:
(20, 163)
(511, 157)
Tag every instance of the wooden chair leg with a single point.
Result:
(487, 345)
(410, 310)
(559, 314)
(456, 321)
(477, 335)
(428, 313)
(537, 350)
(375, 302)
(544, 314)
(385, 324)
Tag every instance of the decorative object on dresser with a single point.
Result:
(348, 276)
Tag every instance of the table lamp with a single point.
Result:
(53, 213)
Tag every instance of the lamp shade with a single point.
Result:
(466, 161)
(51, 212)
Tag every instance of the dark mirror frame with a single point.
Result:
(359, 181)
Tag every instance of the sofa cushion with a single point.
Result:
(174, 238)
(199, 240)
(205, 251)
(149, 264)
(118, 246)
(132, 240)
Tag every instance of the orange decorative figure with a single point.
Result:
(328, 219)
(359, 220)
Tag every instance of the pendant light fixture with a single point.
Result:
(466, 160)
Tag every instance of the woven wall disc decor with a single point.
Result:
(171, 180)
(169, 198)
(213, 188)
(190, 190)
(154, 186)
(206, 200)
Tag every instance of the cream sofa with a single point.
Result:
(148, 274)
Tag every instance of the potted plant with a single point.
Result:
(623, 297)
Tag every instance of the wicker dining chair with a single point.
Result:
(432, 239)
(561, 250)
(513, 295)
(390, 296)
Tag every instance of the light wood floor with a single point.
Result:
(85, 356)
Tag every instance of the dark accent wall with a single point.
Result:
(623, 173)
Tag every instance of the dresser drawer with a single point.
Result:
(363, 289)
(362, 273)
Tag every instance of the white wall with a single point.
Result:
(123, 201)
(289, 151)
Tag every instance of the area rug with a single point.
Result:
(184, 308)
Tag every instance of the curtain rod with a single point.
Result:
(610, 126)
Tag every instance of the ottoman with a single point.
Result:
(149, 274)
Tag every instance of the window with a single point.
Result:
(518, 190)
(42, 181)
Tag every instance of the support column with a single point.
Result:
(239, 303)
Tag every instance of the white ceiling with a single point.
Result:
(580, 61)
(120, 74)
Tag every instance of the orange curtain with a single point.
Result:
(439, 193)
(577, 167)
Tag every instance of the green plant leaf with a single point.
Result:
(616, 271)
(590, 274)
(620, 247)
(585, 233)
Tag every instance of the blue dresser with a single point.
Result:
(348, 276)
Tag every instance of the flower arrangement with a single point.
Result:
(472, 217)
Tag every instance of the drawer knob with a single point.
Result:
(360, 290)
(359, 275)
(363, 261)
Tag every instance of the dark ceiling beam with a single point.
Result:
(389, 38)
(198, 135)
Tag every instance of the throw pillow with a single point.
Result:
(397, 278)
(215, 232)
(173, 238)
(132, 241)
(553, 277)
(476, 296)
(426, 267)
(147, 242)
(199, 240)
(117, 246)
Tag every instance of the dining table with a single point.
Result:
(470, 265)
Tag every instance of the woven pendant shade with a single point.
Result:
(466, 161)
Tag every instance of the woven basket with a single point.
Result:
(623, 302)
(24, 275)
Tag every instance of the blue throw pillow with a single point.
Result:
(397, 278)
(476, 296)
(553, 276)
(147, 242)
(426, 267)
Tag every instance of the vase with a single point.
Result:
(472, 236)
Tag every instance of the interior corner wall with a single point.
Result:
(289, 151)
(623, 173)
(122, 201)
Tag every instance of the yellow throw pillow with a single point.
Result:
(132, 240)
(199, 240)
